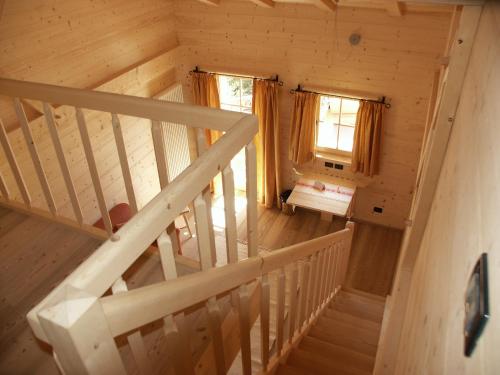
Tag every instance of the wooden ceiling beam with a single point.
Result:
(210, 2)
(264, 3)
(395, 8)
(328, 5)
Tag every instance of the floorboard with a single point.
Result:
(30, 269)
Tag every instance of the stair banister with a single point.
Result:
(155, 109)
(137, 307)
(108, 263)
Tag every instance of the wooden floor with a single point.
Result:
(374, 257)
(30, 269)
(36, 256)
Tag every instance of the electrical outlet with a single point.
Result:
(328, 164)
(378, 210)
(339, 166)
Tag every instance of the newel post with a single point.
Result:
(78, 331)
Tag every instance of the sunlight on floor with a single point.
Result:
(218, 215)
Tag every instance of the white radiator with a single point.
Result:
(176, 136)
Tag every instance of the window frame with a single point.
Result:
(241, 108)
(328, 150)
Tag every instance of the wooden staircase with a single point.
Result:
(343, 340)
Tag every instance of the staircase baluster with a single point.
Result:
(56, 141)
(94, 173)
(244, 310)
(293, 300)
(125, 167)
(35, 157)
(174, 327)
(264, 320)
(203, 229)
(7, 148)
(251, 176)
(280, 310)
(230, 215)
(4, 188)
(135, 339)
(161, 157)
(305, 292)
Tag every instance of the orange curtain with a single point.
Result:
(206, 93)
(303, 127)
(265, 107)
(367, 134)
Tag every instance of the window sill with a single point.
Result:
(335, 158)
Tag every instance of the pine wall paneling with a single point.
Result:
(397, 57)
(463, 224)
(145, 80)
(80, 43)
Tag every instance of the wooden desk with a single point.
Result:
(336, 199)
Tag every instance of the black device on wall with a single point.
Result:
(476, 305)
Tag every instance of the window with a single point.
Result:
(235, 93)
(337, 120)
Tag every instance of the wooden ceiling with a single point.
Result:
(393, 7)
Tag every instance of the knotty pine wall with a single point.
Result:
(126, 47)
(463, 224)
(145, 80)
(80, 43)
(397, 58)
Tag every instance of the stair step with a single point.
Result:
(362, 334)
(374, 297)
(291, 370)
(348, 358)
(359, 340)
(358, 306)
(353, 320)
(314, 363)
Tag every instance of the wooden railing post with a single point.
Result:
(230, 214)
(244, 313)
(94, 173)
(135, 340)
(79, 334)
(9, 153)
(122, 154)
(264, 320)
(174, 327)
(35, 157)
(251, 176)
(3, 188)
(347, 244)
(51, 124)
(280, 310)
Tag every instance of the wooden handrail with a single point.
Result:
(108, 263)
(140, 306)
(154, 109)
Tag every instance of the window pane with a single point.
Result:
(246, 92)
(346, 138)
(229, 90)
(327, 135)
(349, 111)
(329, 109)
(228, 107)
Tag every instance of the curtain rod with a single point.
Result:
(382, 101)
(275, 79)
